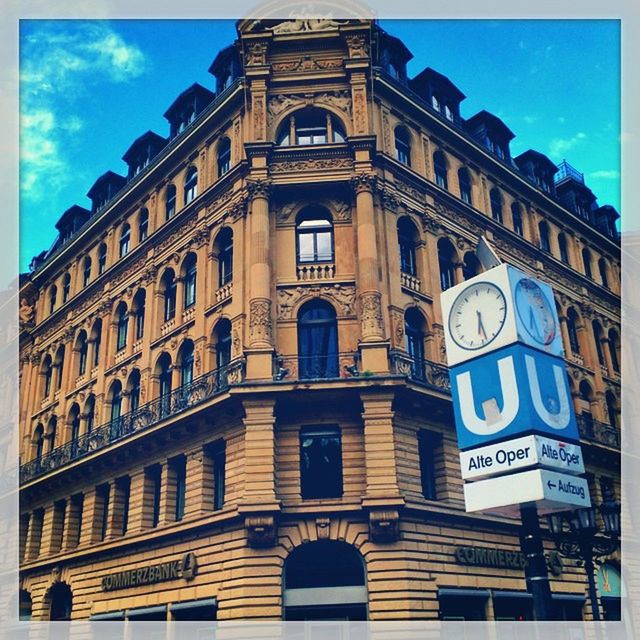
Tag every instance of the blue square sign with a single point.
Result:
(511, 392)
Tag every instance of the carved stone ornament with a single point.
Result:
(429, 222)
(342, 295)
(260, 326)
(397, 324)
(259, 188)
(26, 314)
(259, 123)
(281, 102)
(236, 343)
(311, 164)
(322, 528)
(390, 201)
(283, 211)
(371, 314)
(261, 531)
(307, 63)
(36, 358)
(363, 182)
(307, 24)
(256, 54)
(360, 109)
(201, 237)
(384, 526)
(357, 45)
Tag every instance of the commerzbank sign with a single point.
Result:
(502, 559)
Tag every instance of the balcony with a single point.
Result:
(224, 292)
(567, 172)
(144, 417)
(425, 372)
(317, 367)
(311, 272)
(598, 432)
(409, 282)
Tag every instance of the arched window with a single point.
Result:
(133, 387)
(317, 340)
(122, 316)
(222, 336)
(116, 401)
(407, 240)
(572, 329)
(102, 258)
(74, 421)
(470, 265)
(185, 358)
(403, 145)
(414, 334)
(24, 614)
(82, 346)
(89, 413)
(440, 169)
(163, 369)
(586, 260)
(224, 250)
(96, 339)
(562, 245)
(53, 294)
(464, 182)
(52, 429)
(125, 239)
(170, 202)
(47, 373)
(612, 408)
(446, 256)
(224, 156)
(516, 217)
(38, 441)
(169, 293)
(543, 228)
(191, 185)
(496, 204)
(138, 308)
(597, 336)
(143, 225)
(324, 580)
(58, 364)
(189, 274)
(314, 233)
(61, 601)
(66, 287)
(602, 267)
(310, 126)
(86, 271)
(584, 400)
(614, 345)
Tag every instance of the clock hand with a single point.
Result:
(533, 325)
(481, 331)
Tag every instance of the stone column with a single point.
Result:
(34, 535)
(167, 494)
(91, 513)
(459, 266)
(199, 489)
(73, 524)
(140, 502)
(260, 352)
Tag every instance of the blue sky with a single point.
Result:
(89, 88)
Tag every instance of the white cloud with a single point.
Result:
(531, 119)
(559, 146)
(60, 63)
(605, 174)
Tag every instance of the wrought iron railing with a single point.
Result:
(423, 371)
(142, 418)
(598, 432)
(317, 367)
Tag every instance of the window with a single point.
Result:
(25, 606)
(38, 440)
(47, 372)
(462, 604)
(224, 244)
(310, 126)
(58, 365)
(179, 471)
(102, 496)
(440, 169)
(612, 409)
(407, 236)
(448, 114)
(613, 349)
(223, 343)
(76, 506)
(470, 265)
(562, 245)
(52, 429)
(153, 477)
(53, 294)
(123, 326)
(446, 255)
(495, 198)
(102, 258)
(320, 462)
(314, 232)
(122, 500)
(224, 156)
(186, 363)
(597, 337)
(602, 267)
(191, 185)
(96, 336)
(414, 335)
(125, 240)
(464, 182)
(74, 420)
(543, 228)
(586, 260)
(143, 225)
(138, 308)
(403, 145)
(572, 330)
(189, 275)
(435, 103)
(61, 601)
(170, 202)
(89, 412)
(86, 271)
(164, 383)
(516, 217)
(317, 341)
(219, 463)
(169, 292)
(429, 447)
(66, 287)
(116, 401)
(134, 390)
(584, 400)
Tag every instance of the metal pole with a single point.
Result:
(536, 564)
(587, 554)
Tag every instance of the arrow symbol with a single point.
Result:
(550, 484)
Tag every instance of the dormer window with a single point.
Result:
(435, 103)
(448, 114)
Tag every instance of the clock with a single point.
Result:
(477, 315)
(534, 311)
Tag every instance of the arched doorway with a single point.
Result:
(60, 601)
(324, 580)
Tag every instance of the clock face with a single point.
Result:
(535, 312)
(477, 316)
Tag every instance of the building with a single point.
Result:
(234, 402)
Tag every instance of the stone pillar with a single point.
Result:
(167, 494)
(48, 537)
(91, 510)
(140, 501)
(606, 351)
(34, 535)
(73, 524)
(565, 334)
(373, 345)
(199, 490)
(459, 266)
(260, 352)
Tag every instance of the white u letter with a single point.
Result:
(510, 398)
(560, 419)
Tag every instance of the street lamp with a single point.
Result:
(582, 541)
